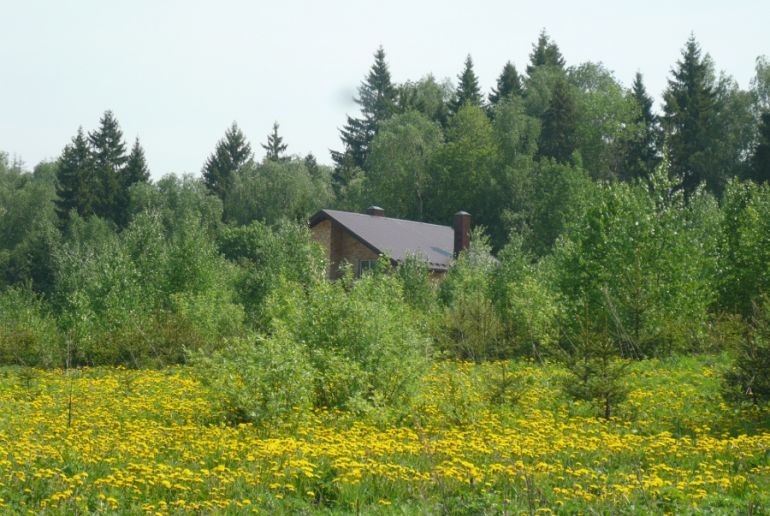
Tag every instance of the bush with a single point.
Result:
(28, 333)
(749, 377)
(597, 371)
(469, 327)
(267, 381)
(528, 306)
(362, 336)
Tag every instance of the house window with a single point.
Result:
(366, 265)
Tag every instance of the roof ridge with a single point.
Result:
(389, 218)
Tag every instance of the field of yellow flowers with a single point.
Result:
(495, 438)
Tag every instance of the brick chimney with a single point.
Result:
(462, 227)
(375, 211)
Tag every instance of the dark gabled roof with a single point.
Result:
(396, 238)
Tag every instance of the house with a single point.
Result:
(361, 238)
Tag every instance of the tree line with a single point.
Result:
(617, 234)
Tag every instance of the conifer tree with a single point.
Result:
(641, 153)
(275, 146)
(468, 91)
(136, 170)
(508, 84)
(558, 137)
(312, 165)
(544, 53)
(690, 119)
(74, 181)
(377, 98)
(108, 157)
(760, 170)
(231, 153)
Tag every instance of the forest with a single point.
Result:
(602, 229)
(614, 246)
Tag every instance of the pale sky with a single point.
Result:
(178, 73)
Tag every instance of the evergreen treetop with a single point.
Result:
(544, 53)
(107, 146)
(558, 139)
(690, 112)
(108, 153)
(377, 97)
(508, 84)
(641, 151)
(275, 146)
(760, 170)
(74, 181)
(468, 91)
(231, 153)
(643, 100)
(136, 170)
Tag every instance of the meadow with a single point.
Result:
(496, 438)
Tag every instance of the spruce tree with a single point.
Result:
(508, 84)
(760, 170)
(544, 53)
(641, 153)
(377, 98)
(275, 146)
(231, 153)
(74, 179)
(312, 165)
(468, 91)
(136, 170)
(108, 157)
(690, 120)
(558, 137)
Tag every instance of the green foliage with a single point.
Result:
(744, 256)
(399, 165)
(94, 174)
(469, 327)
(527, 305)
(516, 132)
(641, 149)
(377, 98)
(708, 123)
(426, 96)
(231, 153)
(640, 260)
(558, 138)
(266, 381)
(560, 195)
(275, 146)
(28, 332)
(108, 157)
(363, 341)
(508, 85)
(760, 171)
(607, 119)
(144, 295)
(463, 169)
(418, 287)
(468, 91)
(136, 171)
(175, 199)
(276, 190)
(545, 53)
(749, 376)
(75, 180)
(28, 231)
(596, 370)
(267, 257)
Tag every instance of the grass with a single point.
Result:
(149, 442)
